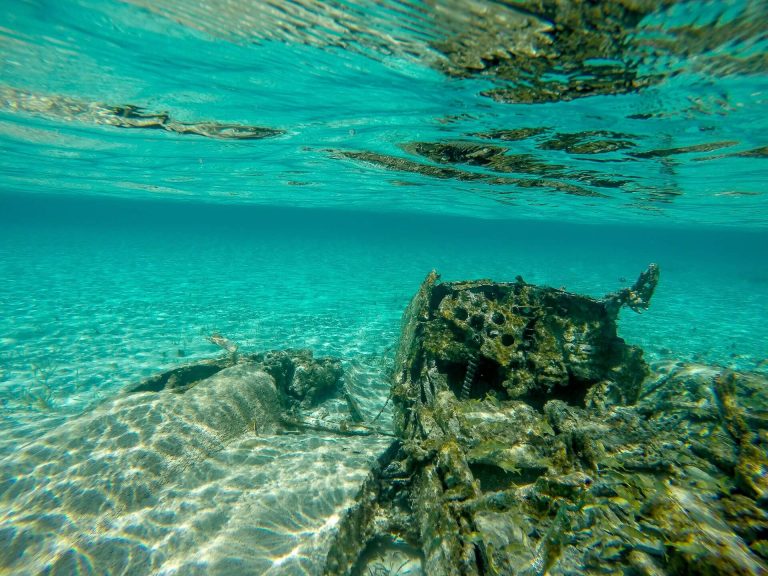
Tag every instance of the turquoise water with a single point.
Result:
(286, 174)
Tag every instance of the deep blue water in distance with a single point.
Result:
(287, 173)
(161, 276)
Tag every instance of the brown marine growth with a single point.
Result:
(533, 440)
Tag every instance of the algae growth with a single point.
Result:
(568, 455)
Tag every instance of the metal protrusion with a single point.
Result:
(469, 377)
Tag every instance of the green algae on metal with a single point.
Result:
(570, 455)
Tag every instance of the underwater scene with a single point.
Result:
(442, 287)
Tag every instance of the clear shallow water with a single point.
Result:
(105, 292)
(286, 175)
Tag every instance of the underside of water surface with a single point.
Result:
(186, 186)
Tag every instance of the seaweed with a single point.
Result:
(533, 440)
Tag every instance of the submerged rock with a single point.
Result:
(204, 456)
(533, 440)
(301, 380)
